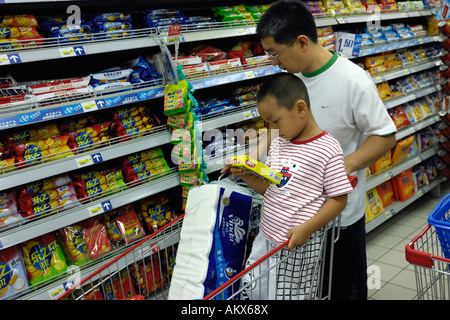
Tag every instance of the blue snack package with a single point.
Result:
(112, 17)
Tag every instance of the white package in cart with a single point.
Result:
(213, 240)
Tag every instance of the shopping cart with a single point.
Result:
(285, 274)
(142, 271)
(428, 252)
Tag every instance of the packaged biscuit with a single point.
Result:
(19, 20)
(101, 190)
(256, 169)
(59, 204)
(386, 193)
(108, 219)
(403, 185)
(374, 205)
(156, 211)
(36, 187)
(401, 150)
(13, 276)
(73, 242)
(10, 221)
(37, 133)
(43, 156)
(127, 112)
(141, 156)
(119, 287)
(148, 275)
(94, 178)
(38, 146)
(47, 196)
(151, 174)
(382, 163)
(130, 227)
(18, 32)
(97, 241)
(8, 208)
(44, 258)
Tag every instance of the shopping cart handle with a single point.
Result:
(353, 180)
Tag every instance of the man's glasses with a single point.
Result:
(275, 56)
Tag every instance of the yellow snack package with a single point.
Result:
(256, 169)
(374, 204)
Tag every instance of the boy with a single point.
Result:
(315, 185)
(345, 103)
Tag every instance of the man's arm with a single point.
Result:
(369, 152)
(299, 234)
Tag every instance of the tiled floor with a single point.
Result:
(386, 250)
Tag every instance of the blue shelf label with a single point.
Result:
(8, 122)
(14, 58)
(106, 205)
(79, 51)
(97, 158)
(100, 103)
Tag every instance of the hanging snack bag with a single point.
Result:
(97, 241)
(44, 258)
(13, 276)
(130, 227)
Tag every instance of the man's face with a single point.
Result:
(287, 57)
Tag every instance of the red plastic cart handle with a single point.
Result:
(353, 180)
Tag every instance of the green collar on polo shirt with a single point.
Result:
(324, 68)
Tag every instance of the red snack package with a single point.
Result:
(39, 145)
(130, 227)
(64, 192)
(149, 275)
(386, 193)
(97, 241)
(399, 117)
(208, 53)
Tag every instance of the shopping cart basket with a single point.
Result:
(142, 271)
(284, 274)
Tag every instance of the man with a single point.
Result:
(345, 103)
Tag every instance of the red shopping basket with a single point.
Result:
(431, 267)
(142, 271)
(439, 218)
(275, 276)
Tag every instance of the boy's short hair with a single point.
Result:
(286, 88)
(285, 20)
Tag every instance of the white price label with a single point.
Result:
(89, 106)
(67, 52)
(55, 292)
(250, 114)
(84, 161)
(348, 44)
(95, 210)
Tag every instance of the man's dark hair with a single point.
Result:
(285, 20)
(286, 88)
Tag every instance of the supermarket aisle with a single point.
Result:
(386, 249)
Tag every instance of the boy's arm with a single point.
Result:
(252, 183)
(299, 234)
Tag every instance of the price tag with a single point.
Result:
(250, 114)
(9, 59)
(56, 292)
(89, 106)
(348, 44)
(72, 51)
(84, 161)
(174, 33)
(249, 75)
(100, 208)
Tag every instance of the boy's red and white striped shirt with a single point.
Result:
(313, 170)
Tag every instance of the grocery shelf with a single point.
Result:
(406, 71)
(144, 248)
(398, 206)
(417, 126)
(59, 220)
(227, 117)
(384, 16)
(396, 101)
(396, 45)
(157, 137)
(15, 117)
(58, 48)
(372, 182)
(206, 80)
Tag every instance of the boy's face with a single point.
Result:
(290, 123)
(289, 58)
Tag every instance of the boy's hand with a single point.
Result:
(297, 236)
(235, 172)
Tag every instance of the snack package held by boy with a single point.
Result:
(13, 275)
(156, 211)
(44, 258)
(256, 169)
